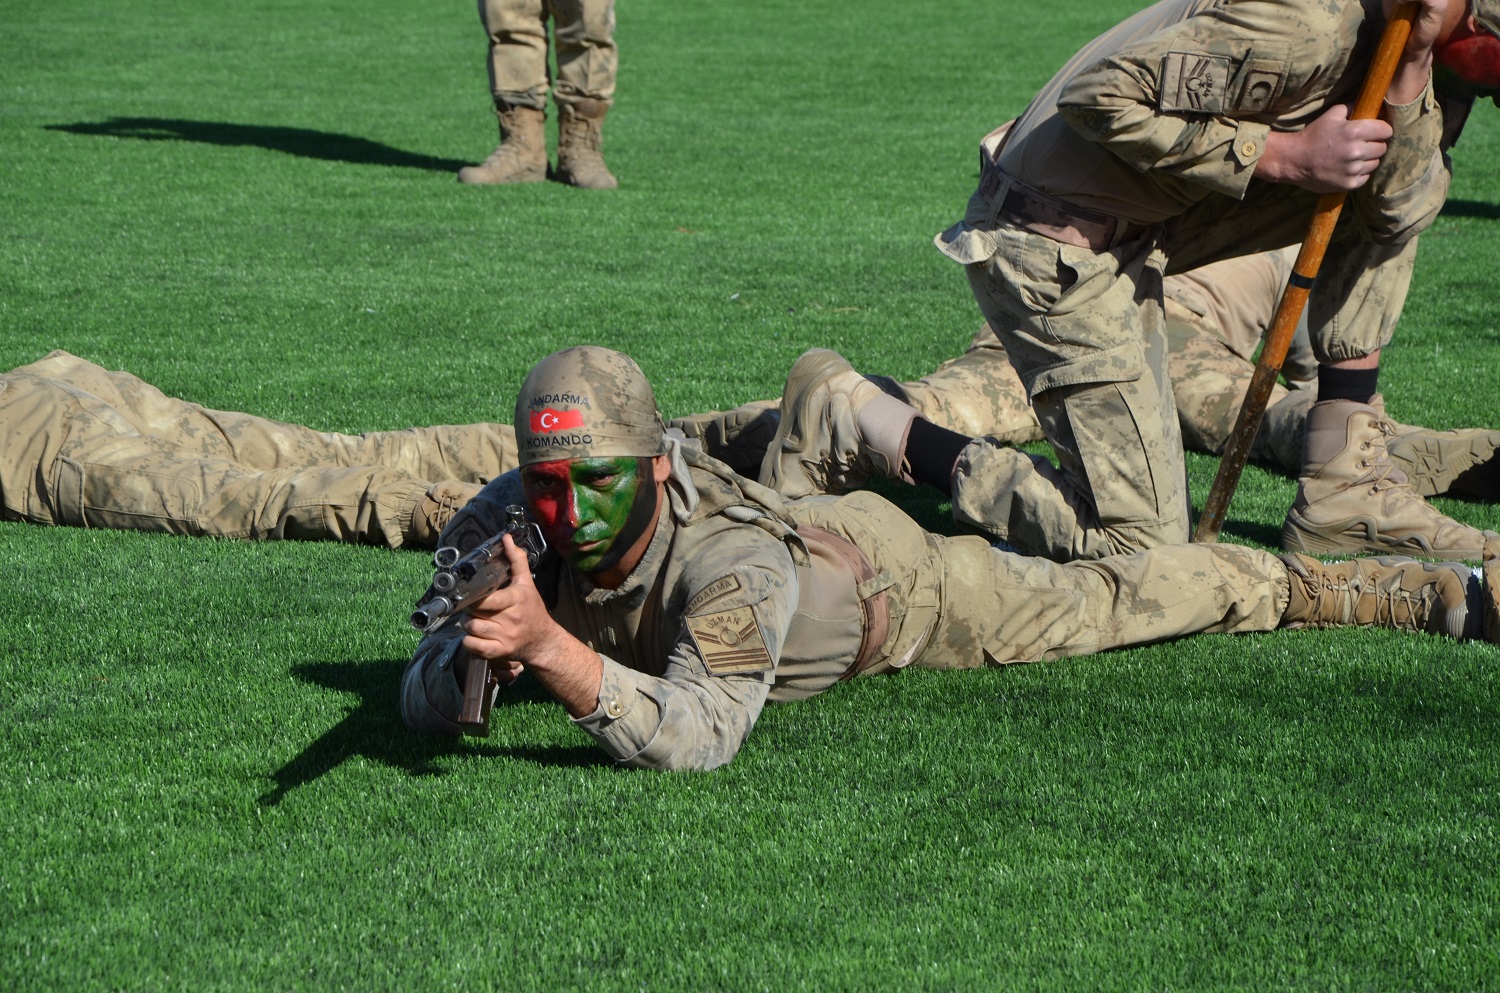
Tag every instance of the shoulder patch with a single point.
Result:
(1260, 84)
(730, 641)
(1194, 83)
(714, 590)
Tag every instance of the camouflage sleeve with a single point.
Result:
(1407, 190)
(431, 698)
(1194, 101)
(720, 668)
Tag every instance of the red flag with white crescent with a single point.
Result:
(548, 420)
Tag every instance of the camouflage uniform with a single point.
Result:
(743, 597)
(85, 447)
(583, 36)
(1215, 319)
(1136, 161)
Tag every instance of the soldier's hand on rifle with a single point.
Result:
(512, 628)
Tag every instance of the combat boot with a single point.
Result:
(521, 156)
(1459, 463)
(580, 145)
(436, 508)
(1436, 597)
(836, 430)
(1351, 497)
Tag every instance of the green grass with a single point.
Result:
(204, 783)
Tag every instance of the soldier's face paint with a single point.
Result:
(1473, 55)
(592, 511)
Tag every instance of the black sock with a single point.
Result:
(1359, 385)
(931, 452)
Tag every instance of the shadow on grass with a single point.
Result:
(1470, 208)
(1264, 535)
(293, 141)
(374, 730)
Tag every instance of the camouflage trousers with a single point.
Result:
(957, 602)
(85, 447)
(1215, 319)
(1086, 331)
(582, 39)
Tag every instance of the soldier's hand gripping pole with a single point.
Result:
(1299, 285)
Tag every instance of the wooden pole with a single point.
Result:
(1299, 285)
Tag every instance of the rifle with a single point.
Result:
(463, 580)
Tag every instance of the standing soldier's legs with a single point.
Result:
(1093, 358)
(519, 80)
(587, 62)
(587, 59)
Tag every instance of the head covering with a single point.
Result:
(587, 402)
(1487, 13)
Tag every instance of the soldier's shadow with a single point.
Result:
(1470, 208)
(303, 142)
(373, 729)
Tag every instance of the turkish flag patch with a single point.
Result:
(548, 420)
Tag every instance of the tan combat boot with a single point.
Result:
(436, 508)
(836, 430)
(1351, 498)
(580, 143)
(1437, 597)
(521, 156)
(1492, 595)
(1461, 463)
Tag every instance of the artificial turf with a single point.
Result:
(204, 781)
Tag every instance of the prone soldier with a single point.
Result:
(87, 447)
(678, 598)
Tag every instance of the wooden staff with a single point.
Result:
(1299, 285)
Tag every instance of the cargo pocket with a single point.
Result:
(1111, 430)
(103, 496)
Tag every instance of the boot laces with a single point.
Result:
(447, 503)
(1339, 600)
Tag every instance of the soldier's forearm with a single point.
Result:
(571, 671)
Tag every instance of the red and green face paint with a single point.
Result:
(1472, 56)
(591, 510)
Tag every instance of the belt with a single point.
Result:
(1039, 213)
(877, 610)
(1052, 218)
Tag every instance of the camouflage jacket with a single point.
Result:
(1170, 110)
